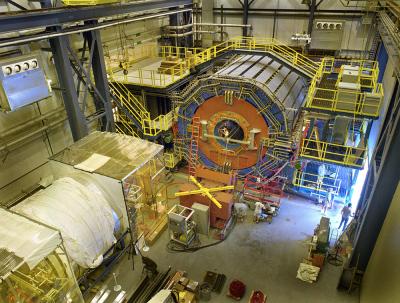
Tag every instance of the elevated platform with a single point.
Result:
(150, 73)
(333, 153)
(353, 91)
(146, 73)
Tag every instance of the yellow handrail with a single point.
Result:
(167, 76)
(150, 127)
(305, 180)
(128, 127)
(334, 153)
(362, 102)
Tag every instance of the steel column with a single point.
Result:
(76, 118)
(313, 7)
(381, 195)
(100, 79)
(246, 7)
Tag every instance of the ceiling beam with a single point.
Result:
(24, 20)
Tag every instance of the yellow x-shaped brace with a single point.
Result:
(204, 191)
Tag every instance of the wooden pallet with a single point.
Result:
(156, 230)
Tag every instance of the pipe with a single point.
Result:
(30, 136)
(223, 24)
(189, 33)
(227, 139)
(30, 123)
(179, 26)
(90, 28)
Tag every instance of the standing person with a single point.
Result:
(346, 212)
(324, 205)
(331, 197)
(258, 211)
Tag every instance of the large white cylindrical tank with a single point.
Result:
(78, 207)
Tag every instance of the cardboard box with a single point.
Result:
(318, 260)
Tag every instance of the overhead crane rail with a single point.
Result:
(192, 57)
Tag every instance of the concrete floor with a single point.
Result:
(263, 256)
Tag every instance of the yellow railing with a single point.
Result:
(129, 101)
(352, 102)
(150, 127)
(279, 49)
(157, 125)
(310, 181)
(125, 127)
(191, 57)
(333, 153)
(120, 59)
(368, 73)
(89, 2)
(178, 51)
(366, 103)
(169, 160)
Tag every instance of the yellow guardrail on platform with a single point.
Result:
(171, 159)
(352, 102)
(366, 102)
(120, 59)
(310, 181)
(150, 127)
(125, 126)
(179, 51)
(154, 127)
(89, 2)
(191, 57)
(333, 153)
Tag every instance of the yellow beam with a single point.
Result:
(214, 189)
(201, 191)
(190, 192)
(204, 191)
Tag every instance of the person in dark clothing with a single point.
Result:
(346, 212)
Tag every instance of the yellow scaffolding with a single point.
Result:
(310, 181)
(333, 153)
(192, 57)
(125, 126)
(150, 127)
(89, 2)
(365, 103)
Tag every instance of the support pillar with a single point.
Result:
(76, 118)
(207, 16)
(100, 78)
(245, 17)
(313, 7)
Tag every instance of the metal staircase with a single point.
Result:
(132, 114)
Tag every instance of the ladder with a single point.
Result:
(374, 46)
(194, 146)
